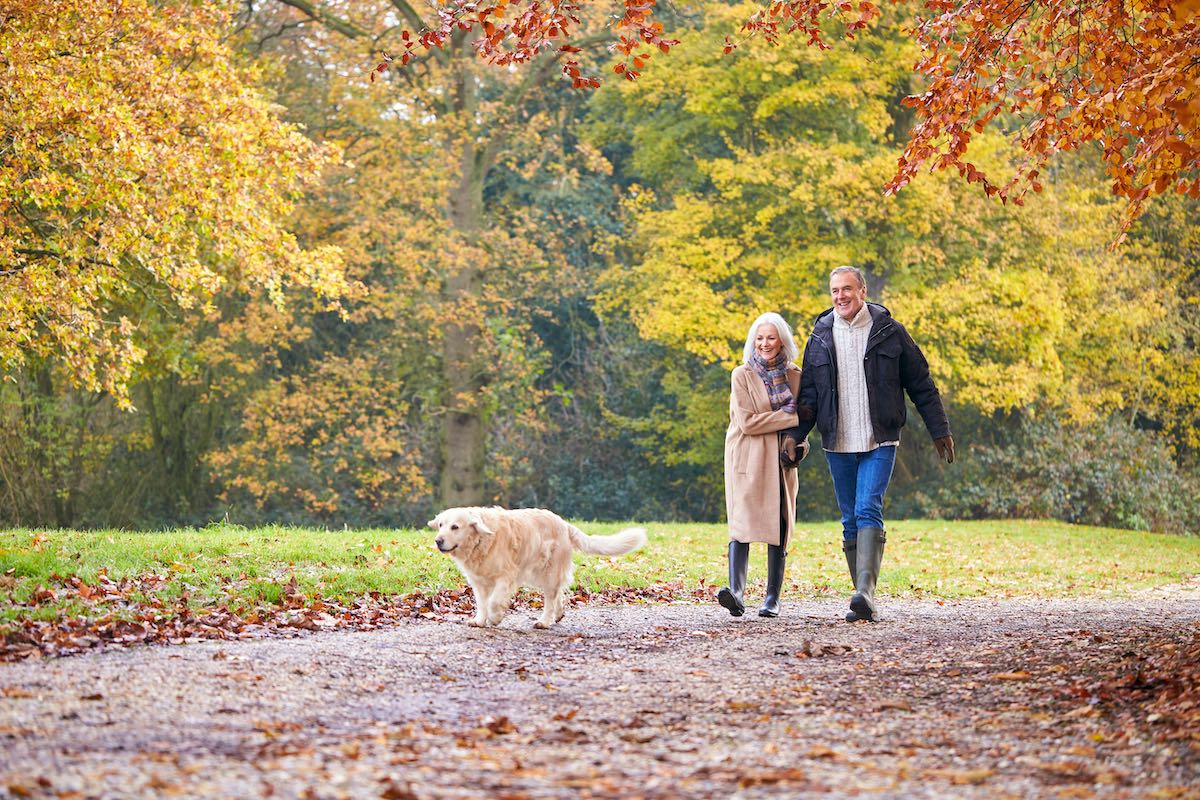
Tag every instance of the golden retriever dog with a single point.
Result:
(499, 550)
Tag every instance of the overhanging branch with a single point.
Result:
(339, 24)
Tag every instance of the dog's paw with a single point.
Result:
(477, 623)
(541, 624)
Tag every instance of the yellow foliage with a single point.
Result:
(142, 168)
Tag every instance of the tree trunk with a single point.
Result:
(464, 431)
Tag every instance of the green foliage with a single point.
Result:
(1110, 474)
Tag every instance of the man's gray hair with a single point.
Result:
(858, 273)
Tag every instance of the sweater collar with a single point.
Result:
(860, 320)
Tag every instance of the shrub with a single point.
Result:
(1111, 475)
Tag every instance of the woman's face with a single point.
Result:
(766, 341)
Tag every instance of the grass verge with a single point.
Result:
(57, 578)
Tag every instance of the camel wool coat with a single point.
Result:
(752, 471)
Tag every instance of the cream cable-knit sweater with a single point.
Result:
(854, 433)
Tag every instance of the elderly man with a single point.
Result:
(857, 365)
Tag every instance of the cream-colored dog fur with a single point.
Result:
(500, 550)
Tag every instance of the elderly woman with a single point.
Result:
(760, 495)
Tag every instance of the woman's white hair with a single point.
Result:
(785, 336)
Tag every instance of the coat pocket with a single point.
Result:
(742, 459)
(887, 362)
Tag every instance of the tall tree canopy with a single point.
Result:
(1051, 75)
(141, 169)
(760, 173)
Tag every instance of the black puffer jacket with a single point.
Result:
(893, 365)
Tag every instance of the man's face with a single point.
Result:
(848, 296)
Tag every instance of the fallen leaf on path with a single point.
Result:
(498, 725)
(898, 705)
(821, 751)
(771, 776)
(396, 791)
(811, 649)
(960, 777)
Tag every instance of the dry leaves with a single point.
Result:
(137, 610)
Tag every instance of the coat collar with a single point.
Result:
(760, 389)
(882, 325)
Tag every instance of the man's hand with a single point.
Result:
(945, 448)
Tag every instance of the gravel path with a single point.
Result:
(967, 699)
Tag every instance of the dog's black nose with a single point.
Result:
(438, 541)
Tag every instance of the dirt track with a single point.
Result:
(1001, 698)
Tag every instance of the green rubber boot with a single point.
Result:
(869, 557)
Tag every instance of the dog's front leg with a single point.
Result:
(498, 603)
(482, 589)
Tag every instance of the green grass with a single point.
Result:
(923, 558)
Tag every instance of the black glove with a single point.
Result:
(791, 450)
(945, 448)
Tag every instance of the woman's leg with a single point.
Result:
(731, 596)
(776, 561)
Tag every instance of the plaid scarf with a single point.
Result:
(774, 375)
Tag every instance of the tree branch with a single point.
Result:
(409, 13)
(342, 26)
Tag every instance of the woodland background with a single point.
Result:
(241, 281)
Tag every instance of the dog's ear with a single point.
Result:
(480, 525)
(433, 523)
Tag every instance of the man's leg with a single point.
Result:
(874, 475)
(843, 468)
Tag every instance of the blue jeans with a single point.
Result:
(859, 481)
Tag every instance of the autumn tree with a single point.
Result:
(450, 325)
(1052, 76)
(482, 259)
(761, 173)
(141, 169)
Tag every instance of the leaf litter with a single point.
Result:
(983, 698)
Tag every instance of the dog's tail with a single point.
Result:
(619, 543)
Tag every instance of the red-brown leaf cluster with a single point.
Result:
(807, 17)
(1159, 684)
(132, 610)
(516, 32)
(1055, 76)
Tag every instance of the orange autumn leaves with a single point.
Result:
(1053, 76)
(1056, 76)
(331, 443)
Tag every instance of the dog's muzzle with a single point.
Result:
(441, 545)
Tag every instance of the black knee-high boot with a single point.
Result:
(776, 567)
(739, 561)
